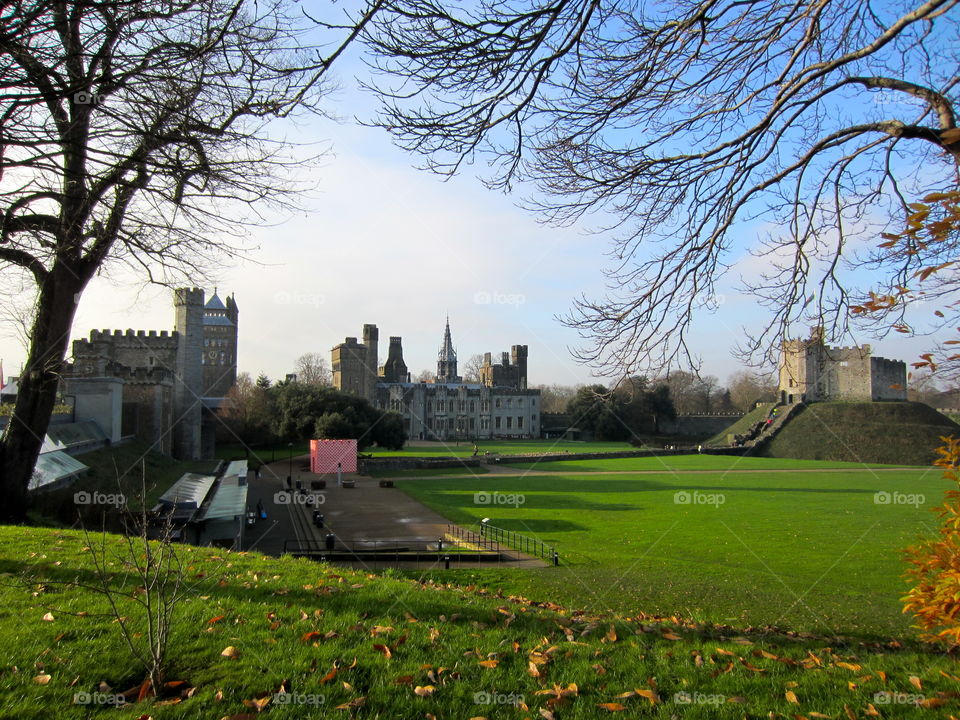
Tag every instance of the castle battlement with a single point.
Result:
(812, 370)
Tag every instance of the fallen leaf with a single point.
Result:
(849, 666)
(258, 704)
(384, 649)
(424, 690)
(915, 681)
(231, 652)
(42, 679)
(489, 663)
(650, 695)
(612, 707)
(791, 697)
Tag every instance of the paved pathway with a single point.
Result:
(359, 517)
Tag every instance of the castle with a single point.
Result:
(164, 388)
(811, 371)
(445, 407)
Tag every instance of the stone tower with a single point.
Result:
(371, 338)
(219, 346)
(518, 355)
(188, 384)
(447, 358)
(395, 369)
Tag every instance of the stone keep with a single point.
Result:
(173, 383)
(810, 371)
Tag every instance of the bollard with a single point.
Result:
(446, 562)
(331, 541)
(556, 558)
(439, 544)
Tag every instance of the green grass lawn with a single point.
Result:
(430, 472)
(503, 447)
(805, 550)
(686, 462)
(345, 644)
(269, 453)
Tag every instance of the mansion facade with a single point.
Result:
(444, 407)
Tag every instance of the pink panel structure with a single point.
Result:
(325, 454)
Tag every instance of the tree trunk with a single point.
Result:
(37, 390)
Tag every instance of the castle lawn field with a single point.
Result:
(796, 544)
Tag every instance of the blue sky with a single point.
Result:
(384, 243)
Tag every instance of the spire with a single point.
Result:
(447, 353)
(447, 358)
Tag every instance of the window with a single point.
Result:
(509, 402)
(429, 406)
(463, 405)
(509, 422)
(519, 402)
(473, 423)
(498, 402)
(520, 422)
(497, 423)
(473, 405)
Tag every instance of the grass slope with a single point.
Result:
(741, 425)
(905, 433)
(344, 644)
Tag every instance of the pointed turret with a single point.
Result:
(447, 358)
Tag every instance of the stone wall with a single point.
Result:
(698, 426)
(889, 379)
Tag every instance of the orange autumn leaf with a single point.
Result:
(650, 695)
(489, 663)
(791, 697)
(383, 649)
(849, 666)
(612, 706)
(424, 690)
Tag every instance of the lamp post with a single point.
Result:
(290, 470)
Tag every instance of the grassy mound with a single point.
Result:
(297, 639)
(905, 433)
(740, 426)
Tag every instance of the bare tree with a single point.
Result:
(677, 122)
(425, 376)
(135, 133)
(312, 369)
(554, 398)
(748, 388)
(471, 370)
